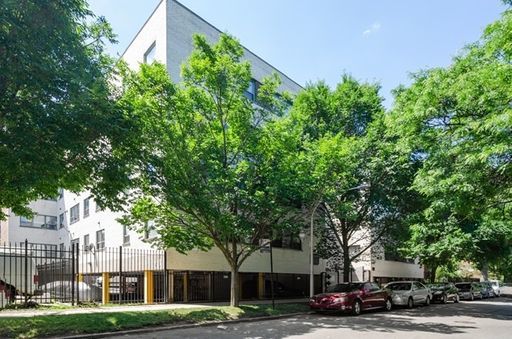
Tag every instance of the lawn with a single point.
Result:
(50, 325)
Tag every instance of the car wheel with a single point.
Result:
(445, 299)
(389, 305)
(427, 301)
(410, 303)
(356, 308)
(456, 299)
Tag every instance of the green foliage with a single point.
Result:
(57, 118)
(206, 164)
(456, 122)
(348, 168)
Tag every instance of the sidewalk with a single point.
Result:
(135, 308)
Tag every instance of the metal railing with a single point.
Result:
(43, 273)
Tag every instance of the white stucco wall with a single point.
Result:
(153, 31)
(285, 261)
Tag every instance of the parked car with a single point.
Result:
(62, 290)
(496, 286)
(409, 293)
(487, 290)
(352, 297)
(469, 290)
(444, 292)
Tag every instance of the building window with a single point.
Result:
(61, 220)
(126, 236)
(86, 207)
(98, 208)
(40, 221)
(75, 242)
(287, 240)
(86, 242)
(251, 92)
(61, 193)
(100, 240)
(74, 214)
(149, 56)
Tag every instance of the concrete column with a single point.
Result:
(105, 288)
(149, 287)
(185, 287)
(261, 285)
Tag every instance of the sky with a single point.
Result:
(377, 41)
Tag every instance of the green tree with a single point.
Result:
(355, 179)
(56, 115)
(207, 163)
(456, 121)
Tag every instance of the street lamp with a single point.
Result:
(311, 273)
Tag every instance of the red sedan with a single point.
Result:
(351, 297)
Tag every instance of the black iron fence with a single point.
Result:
(41, 273)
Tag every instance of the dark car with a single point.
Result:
(469, 291)
(352, 297)
(444, 292)
(488, 291)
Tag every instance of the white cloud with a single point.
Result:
(374, 28)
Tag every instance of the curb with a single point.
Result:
(179, 327)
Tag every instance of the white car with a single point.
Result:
(409, 293)
(496, 287)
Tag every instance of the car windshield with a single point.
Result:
(494, 283)
(463, 286)
(440, 285)
(399, 286)
(348, 287)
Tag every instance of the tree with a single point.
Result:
(56, 112)
(205, 164)
(457, 122)
(355, 179)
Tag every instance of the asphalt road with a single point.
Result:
(490, 318)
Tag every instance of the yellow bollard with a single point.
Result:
(261, 285)
(148, 287)
(105, 288)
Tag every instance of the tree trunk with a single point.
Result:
(234, 291)
(433, 274)
(485, 271)
(347, 267)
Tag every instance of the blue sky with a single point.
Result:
(378, 41)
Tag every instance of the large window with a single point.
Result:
(86, 207)
(100, 240)
(40, 221)
(149, 56)
(74, 214)
(288, 240)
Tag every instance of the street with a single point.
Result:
(490, 318)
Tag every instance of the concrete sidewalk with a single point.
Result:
(134, 308)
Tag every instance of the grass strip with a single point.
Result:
(70, 324)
